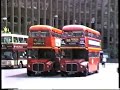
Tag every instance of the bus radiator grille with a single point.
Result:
(38, 67)
(71, 67)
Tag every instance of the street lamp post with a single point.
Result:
(4, 26)
(93, 23)
(55, 20)
(75, 22)
(4, 19)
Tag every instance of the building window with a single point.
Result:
(29, 4)
(15, 3)
(105, 42)
(8, 19)
(111, 39)
(15, 19)
(8, 3)
(22, 19)
(22, 4)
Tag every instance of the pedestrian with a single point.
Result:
(101, 56)
(104, 60)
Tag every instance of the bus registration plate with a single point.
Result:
(74, 39)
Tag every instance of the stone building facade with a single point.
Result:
(101, 15)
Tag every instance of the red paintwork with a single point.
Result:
(45, 27)
(93, 65)
(71, 60)
(78, 28)
(93, 61)
(44, 61)
(49, 42)
(81, 28)
(76, 61)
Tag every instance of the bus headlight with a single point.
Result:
(62, 66)
(48, 66)
(81, 66)
(84, 63)
(28, 65)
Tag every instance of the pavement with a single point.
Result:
(113, 60)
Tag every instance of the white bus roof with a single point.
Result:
(14, 35)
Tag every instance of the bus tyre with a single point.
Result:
(29, 73)
(20, 65)
(97, 71)
(85, 73)
(63, 74)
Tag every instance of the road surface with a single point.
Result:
(107, 78)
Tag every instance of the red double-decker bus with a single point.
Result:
(80, 50)
(13, 50)
(43, 49)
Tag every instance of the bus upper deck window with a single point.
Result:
(15, 39)
(92, 35)
(44, 33)
(6, 39)
(89, 34)
(25, 40)
(34, 34)
(79, 33)
(20, 40)
(39, 34)
(98, 36)
(69, 34)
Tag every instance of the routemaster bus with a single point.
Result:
(43, 49)
(13, 50)
(80, 50)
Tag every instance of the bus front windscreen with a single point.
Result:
(67, 34)
(78, 34)
(8, 55)
(41, 54)
(73, 34)
(74, 54)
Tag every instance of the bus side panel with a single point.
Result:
(50, 41)
(91, 64)
(47, 41)
(97, 63)
(86, 41)
(30, 41)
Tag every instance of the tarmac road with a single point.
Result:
(107, 78)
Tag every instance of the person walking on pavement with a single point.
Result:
(104, 60)
(101, 56)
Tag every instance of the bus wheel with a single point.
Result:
(86, 72)
(20, 65)
(29, 73)
(97, 69)
(63, 74)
